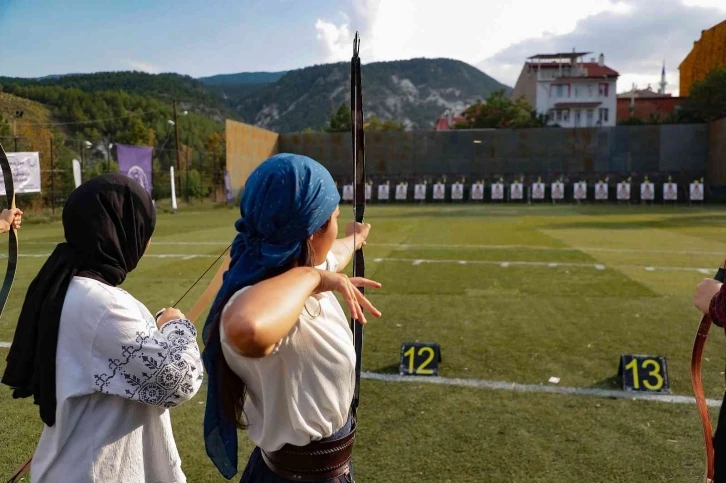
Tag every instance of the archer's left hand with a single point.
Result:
(361, 232)
(705, 292)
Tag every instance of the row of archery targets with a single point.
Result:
(519, 191)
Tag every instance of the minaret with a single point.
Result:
(662, 80)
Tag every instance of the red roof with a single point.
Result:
(593, 69)
(442, 124)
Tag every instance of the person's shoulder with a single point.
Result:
(93, 291)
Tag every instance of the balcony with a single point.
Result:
(567, 71)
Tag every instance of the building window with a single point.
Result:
(577, 117)
(577, 91)
(603, 113)
(590, 116)
(603, 89)
(566, 115)
(559, 91)
(590, 90)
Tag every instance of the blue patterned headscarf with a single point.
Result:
(285, 200)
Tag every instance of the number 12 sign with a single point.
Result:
(644, 373)
(419, 359)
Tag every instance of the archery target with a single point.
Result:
(477, 191)
(497, 191)
(538, 191)
(601, 192)
(383, 192)
(558, 191)
(696, 192)
(348, 192)
(457, 191)
(516, 191)
(623, 191)
(670, 191)
(402, 191)
(647, 191)
(439, 191)
(580, 191)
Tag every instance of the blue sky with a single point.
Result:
(191, 37)
(207, 37)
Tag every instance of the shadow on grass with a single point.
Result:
(389, 369)
(613, 382)
(679, 222)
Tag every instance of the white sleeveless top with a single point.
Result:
(302, 390)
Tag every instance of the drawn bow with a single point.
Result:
(697, 383)
(13, 245)
(12, 267)
(359, 197)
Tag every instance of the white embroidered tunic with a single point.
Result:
(303, 390)
(116, 377)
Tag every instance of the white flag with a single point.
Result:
(25, 168)
(77, 172)
(173, 190)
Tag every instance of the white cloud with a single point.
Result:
(336, 40)
(469, 30)
(635, 42)
(497, 36)
(142, 66)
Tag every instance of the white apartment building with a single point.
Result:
(572, 93)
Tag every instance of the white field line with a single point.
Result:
(544, 248)
(459, 246)
(513, 386)
(420, 261)
(505, 264)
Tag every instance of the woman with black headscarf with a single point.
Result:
(102, 370)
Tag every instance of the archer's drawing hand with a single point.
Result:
(361, 231)
(346, 286)
(705, 292)
(168, 315)
(12, 217)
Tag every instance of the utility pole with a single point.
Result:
(52, 177)
(176, 130)
(18, 115)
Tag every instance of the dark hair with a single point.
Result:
(232, 389)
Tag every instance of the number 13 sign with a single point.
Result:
(644, 373)
(419, 359)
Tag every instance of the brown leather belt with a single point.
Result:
(315, 462)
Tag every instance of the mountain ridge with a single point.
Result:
(415, 92)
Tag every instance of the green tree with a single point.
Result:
(376, 124)
(707, 100)
(4, 127)
(499, 111)
(194, 185)
(340, 120)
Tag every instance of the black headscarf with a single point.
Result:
(108, 222)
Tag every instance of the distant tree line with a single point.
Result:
(109, 117)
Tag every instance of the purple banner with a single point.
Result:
(135, 162)
(228, 187)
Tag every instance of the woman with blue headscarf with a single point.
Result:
(279, 351)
